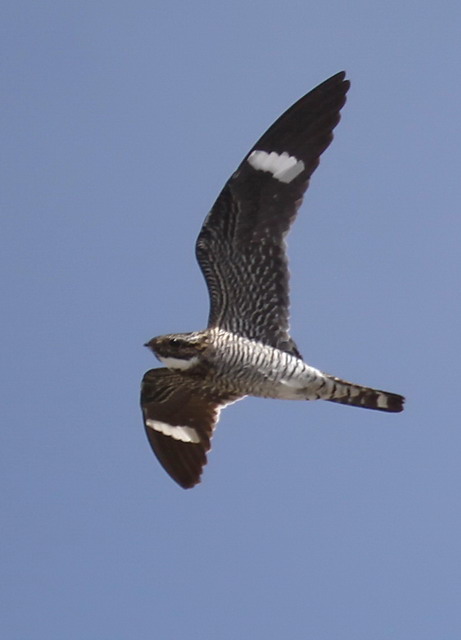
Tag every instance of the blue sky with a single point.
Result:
(120, 124)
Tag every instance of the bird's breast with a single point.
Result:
(252, 368)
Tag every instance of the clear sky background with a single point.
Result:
(121, 123)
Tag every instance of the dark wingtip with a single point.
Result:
(188, 484)
(337, 78)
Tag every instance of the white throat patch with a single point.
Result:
(283, 167)
(184, 434)
(177, 363)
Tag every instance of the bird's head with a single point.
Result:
(179, 351)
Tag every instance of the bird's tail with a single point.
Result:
(358, 396)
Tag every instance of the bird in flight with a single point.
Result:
(247, 350)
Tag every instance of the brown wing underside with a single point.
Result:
(176, 406)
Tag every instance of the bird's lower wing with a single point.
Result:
(180, 415)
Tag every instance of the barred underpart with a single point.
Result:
(357, 396)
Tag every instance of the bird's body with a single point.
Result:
(247, 348)
(237, 366)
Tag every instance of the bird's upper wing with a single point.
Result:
(241, 248)
(180, 415)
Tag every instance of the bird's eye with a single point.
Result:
(175, 343)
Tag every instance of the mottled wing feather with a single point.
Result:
(241, 248)
(179, 401)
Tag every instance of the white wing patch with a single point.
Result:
(184, 434)
(177, 363)
(283, 167)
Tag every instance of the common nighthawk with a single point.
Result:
(247, 349)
